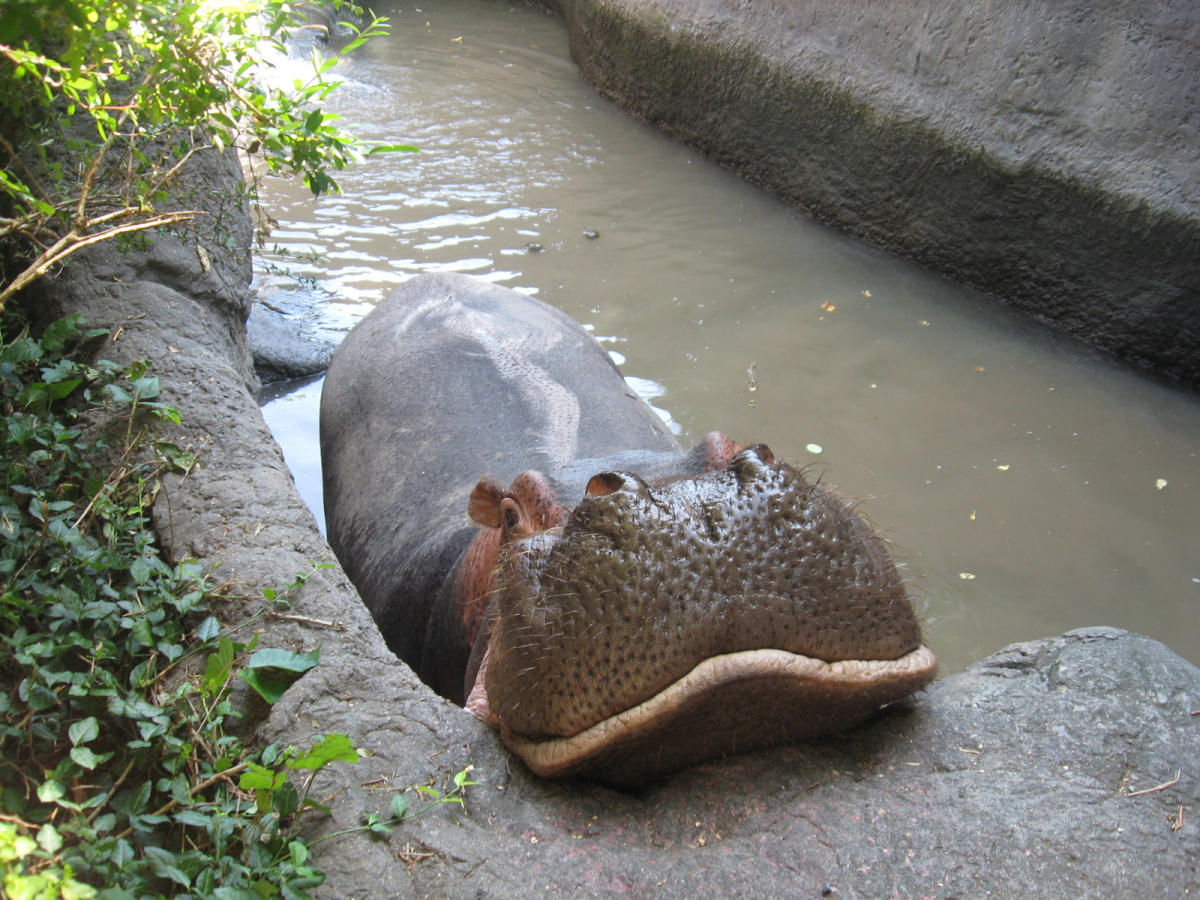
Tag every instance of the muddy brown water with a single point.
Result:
(1029, 485)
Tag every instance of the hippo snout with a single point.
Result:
(664, 613)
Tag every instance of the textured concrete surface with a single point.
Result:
(1046, 153)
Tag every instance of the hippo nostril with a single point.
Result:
(764, 453)
(604, 484)
(752, 463)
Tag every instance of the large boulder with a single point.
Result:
(1045, 152)
(1064, 767)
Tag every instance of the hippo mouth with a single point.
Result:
(670, 623)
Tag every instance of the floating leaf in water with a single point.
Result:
(967, 576)
(1160, 483)
(814, 448)
(1002, 468)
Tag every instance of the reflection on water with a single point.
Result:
(1031, 487)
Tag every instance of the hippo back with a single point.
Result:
(449, 379)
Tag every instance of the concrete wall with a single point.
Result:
(1045, 152)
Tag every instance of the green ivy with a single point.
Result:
(152, 83)
(119, 775)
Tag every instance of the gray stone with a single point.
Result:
(1018, 777)
(1047, 153)
(285, 336)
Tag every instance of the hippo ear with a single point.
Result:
(484, 505)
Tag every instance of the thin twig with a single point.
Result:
(113, 789)
(73, 241)
(207, 783)
(307, 620)
(1158, 787)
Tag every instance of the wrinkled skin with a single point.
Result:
(620, 610)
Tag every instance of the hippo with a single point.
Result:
(531, 538)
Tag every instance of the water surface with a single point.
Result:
(1031, 486)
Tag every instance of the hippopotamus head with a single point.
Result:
(662, 623)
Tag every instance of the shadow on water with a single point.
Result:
(1032, 486)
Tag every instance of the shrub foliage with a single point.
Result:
(102, 102)
(120, 774)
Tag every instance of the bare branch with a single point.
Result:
(73, 241)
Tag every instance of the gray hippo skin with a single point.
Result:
(534, 542)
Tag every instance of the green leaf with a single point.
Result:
(84, 730)
(208, 629)
(270, 684)
(165, 865)
(460, 778)
(333, 747)
(142, 568)
(276, 658)
(50, 791)
(260, 778)
(142, 633)
(194, 818)
(399, 806)
(285, 801)
(218, 666)
(147, 387)
(271, 671)
(39, 395)
(84, 757)
(49, 839)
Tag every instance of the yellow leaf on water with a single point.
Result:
(1160, 483)
(966, 576)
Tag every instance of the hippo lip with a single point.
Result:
(727, 704)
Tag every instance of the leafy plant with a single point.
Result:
(119, 776)
(103, 101)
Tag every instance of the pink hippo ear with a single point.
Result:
(485, 502)
(529, 506)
